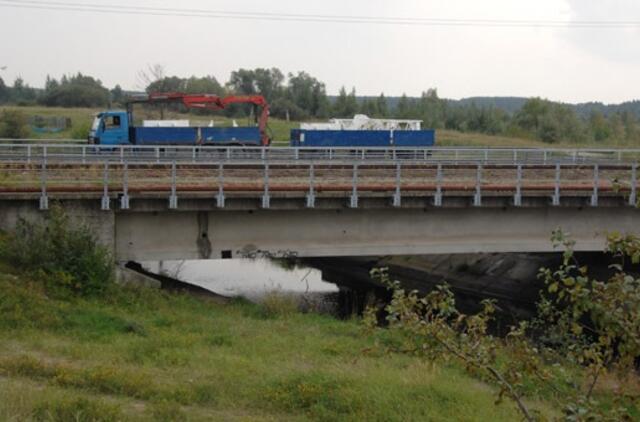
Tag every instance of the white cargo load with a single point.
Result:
(363, 122)
(165, 123)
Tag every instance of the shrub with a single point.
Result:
(13, 124)
(68, 260)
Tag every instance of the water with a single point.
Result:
(251, 278)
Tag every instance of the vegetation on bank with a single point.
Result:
(74, 346)
(581, 351)
(122, 353)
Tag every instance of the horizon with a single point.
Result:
(570, 51)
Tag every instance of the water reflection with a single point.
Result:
(251, 278)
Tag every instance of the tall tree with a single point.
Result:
(4, 92)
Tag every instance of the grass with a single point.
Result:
(149, 355)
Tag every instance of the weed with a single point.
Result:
(278, 304)
(167, 411)
(77, 410)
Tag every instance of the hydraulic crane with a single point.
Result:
(209, 102)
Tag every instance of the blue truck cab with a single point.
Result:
(110, 128)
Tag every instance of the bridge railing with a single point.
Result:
(310, 179)
(27, 152)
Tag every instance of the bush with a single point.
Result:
(67, 260)
(13, 124)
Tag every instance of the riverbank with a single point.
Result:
(146, 354)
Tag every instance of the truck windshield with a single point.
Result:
(96, 123)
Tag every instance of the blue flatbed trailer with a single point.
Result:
(114, 128)
(362, 138)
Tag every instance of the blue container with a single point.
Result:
(231, 135)
(362, 138)
(189, 135)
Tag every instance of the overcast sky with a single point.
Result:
(566, 64)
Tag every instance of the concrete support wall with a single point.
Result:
(361, 232)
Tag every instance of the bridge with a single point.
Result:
(160, 203)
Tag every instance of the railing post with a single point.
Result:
(228, 153)
(517, 199)
(44, 199)
(311, 196)
(633, 197)
(84, 155)
(193, 155)
(157, 155)
(28, 154)
(296, 154)
(397, 197)
(124, 201)
(477, 198)
(437, 200)
(555, 200)
(106, 202)
(353, 203)
(263, 154)
(515, 156)
(596, 183)
(173, 199)
(266, 199)
(544, 157)
(121, 154)
(220, 195)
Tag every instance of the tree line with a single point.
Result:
(300, 96)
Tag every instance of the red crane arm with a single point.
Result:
(258, 101)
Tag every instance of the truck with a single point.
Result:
(116, 127)
(361, 131)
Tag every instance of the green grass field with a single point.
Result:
(149, 355)
(81, 119)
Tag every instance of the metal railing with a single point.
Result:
(27, 152)
(311, 179)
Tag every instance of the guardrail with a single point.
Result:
(212, 154)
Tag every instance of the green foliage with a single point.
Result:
(13, 124)
(75, 91)
(5, 93)
(81, 130)
(346, 105)
(66, 259)
(590, 325)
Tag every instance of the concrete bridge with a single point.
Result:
(202, 203)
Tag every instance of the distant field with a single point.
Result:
(81, 119)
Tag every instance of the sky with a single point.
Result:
(569, 64)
